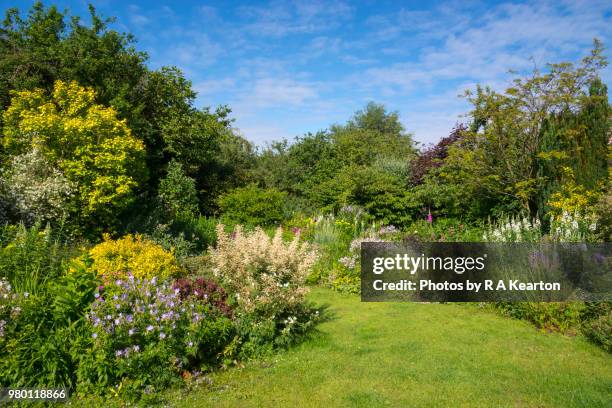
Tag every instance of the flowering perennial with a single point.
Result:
(266, 274)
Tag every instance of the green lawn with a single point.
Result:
(409, 354)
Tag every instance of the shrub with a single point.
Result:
(444, 230)
(343, 276)
(198, 229)
(114, 259)
(177, 191)
(204, 290)
(144, 335)
(91, 148)
(553, 316)
(38, 191)
(175, 243)
(266, 277)
(599, 331)
(252, 205)
(266, 274)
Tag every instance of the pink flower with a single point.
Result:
(429, 217)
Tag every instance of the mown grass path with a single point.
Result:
(408, 354)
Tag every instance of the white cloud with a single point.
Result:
(278, 19)
(278, 92)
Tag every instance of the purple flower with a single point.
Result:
(131, 332)
(119, 353)
(149, 328)
(162, 335)
(429, 217)
(95, 335)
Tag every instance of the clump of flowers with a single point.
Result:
(514, 230)
(140, 324)
(574, 227)
(144, 259)
(266, 274)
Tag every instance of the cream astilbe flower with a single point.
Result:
(266, 274)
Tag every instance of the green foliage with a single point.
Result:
(44, 342)
(364, 162)
(31, 257)
(290, 326)
(252, 205)
(546, 316)
(444, 230)
(599, 330)
(48, 45)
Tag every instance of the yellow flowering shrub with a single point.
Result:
(113, 259)
(573, 198)
(86, 142)
(267, 274)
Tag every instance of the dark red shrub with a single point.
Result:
(432, 156)
(206, 291)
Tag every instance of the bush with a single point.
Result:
(266, 274)
(444, 230)
(198, 229)
(206, 291)
(252, 205)
(38, 191)
(113, 259)
(599, 331)
(89, 152)
(144, 335)
(345, 279)
(553, 316)
(177, 191)
(266, 277)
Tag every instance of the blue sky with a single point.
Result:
(290, 67)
